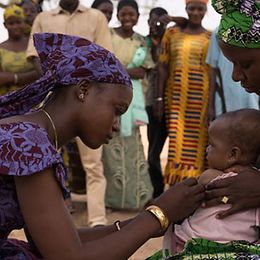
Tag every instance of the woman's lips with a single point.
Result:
(248, 88)
(108, 137)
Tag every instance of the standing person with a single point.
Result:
(72, 18)
(234, 97)
(125, 167)
(32, 171)
(31, 9)
(105, 6)
(184, 73)
(66, 18)
(15, 70)
(156, 130)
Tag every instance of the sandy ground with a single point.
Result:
(80, 215)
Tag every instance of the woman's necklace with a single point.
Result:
(53, 127)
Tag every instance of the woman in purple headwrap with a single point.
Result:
(90, 90)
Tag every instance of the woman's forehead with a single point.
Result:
(234, 53)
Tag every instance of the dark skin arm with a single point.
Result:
(90, 234)
(37, 65)
(242, 190)
(211, 115)
(136, 73)
(180, 21)
(53, 231)
(8, 78)
(158, 109)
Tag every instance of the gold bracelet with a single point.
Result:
(159, 214)
(15, 78)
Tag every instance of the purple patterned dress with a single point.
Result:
(24, 150)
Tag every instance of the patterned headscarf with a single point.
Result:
(65, 60)
(14, 10)
(240, 23)
(200, 1)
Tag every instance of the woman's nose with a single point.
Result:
(116, 125)
(237, 74)
(195, 12)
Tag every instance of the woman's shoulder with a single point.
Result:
(112, 30)
(18, 47)
(139, 38)
(208, 33)
(23, 133)
(21, 127)
(4, 45)
(25, 149)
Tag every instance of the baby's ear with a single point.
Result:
(234, 154)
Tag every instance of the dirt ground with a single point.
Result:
(80, 214)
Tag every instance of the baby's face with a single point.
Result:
(219, 147)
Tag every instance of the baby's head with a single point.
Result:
(234, 138)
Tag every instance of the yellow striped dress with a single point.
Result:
(186, 101)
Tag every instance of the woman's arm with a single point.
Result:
(56, 237)
(212, 93)
(19, 79)
(162, 78)
(89, 234)
(158, 108)
(136, 73)
(180, 21)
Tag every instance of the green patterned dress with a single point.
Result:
(125, 167)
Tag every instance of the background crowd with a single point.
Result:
(181, 83)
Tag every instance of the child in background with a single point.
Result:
(230, 143)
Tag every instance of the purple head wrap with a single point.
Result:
(65, 60)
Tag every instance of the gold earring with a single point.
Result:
(81, 96)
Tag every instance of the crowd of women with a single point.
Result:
(168, 80)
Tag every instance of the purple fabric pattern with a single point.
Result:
(66, 60)
(13, 249)
(24, 150)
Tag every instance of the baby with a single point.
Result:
(234, 138)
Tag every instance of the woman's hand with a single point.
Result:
(181, 200)
(165, 19)
(242, 190)
(210, 116)
(158, 110)
(6, 78)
